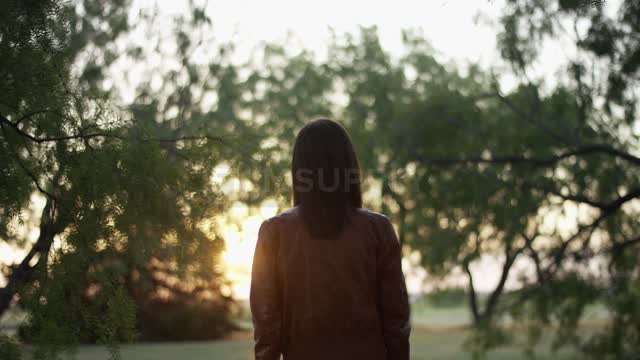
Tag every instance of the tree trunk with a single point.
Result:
(492, 302)
(386, 190)
(473, 299)
(23, 273)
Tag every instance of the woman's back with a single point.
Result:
(340, 297)
(327, 278)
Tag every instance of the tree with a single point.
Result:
(126, 223)
(595, 166)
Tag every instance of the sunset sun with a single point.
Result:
(240, 231)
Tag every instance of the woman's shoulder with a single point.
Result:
(373, 215)
(380, 222)
(282, 217)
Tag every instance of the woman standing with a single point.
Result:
(327, 281)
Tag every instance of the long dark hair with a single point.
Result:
(325, 177)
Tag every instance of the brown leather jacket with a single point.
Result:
(338, 298)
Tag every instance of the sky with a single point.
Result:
(448, 24)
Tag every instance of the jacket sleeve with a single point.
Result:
(264, 296)
(393, 299)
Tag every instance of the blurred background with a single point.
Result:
(142, 144)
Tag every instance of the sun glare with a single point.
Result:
(241, 232)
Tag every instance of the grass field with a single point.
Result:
(425, 344)
(438, 333)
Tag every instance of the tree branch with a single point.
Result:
(24, 168)
(615, 204)
(506, 268)
(37, 112)
(527, 160)
(40, 140)
(608, 210)
(624, 244)
(23, 272)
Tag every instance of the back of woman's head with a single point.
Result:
(325, 177)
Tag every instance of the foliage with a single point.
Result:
(9, 348)
(602, 75)
(126, 190)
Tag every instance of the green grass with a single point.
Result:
(438, 333)
(426, 343)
